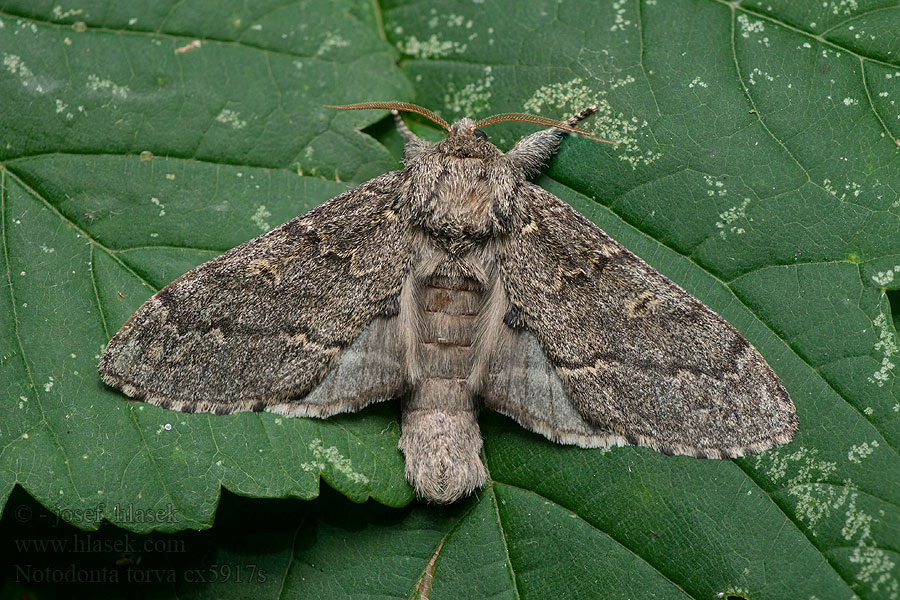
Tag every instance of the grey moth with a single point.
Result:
(455, 285)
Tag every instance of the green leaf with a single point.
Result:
(756, 167)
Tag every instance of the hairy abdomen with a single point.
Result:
(440, 436)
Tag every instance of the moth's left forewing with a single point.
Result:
(299, 321)
(637, 358)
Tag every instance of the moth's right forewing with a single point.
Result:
(259, 327)
(639, 359)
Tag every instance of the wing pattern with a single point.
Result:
(642, 361)
(258, 327)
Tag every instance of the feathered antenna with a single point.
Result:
(567, 125)
(404, 106)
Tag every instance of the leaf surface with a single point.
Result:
(756, 167)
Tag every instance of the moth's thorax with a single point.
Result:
(461, 189)
(461, 200)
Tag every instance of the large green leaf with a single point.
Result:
(757, 166)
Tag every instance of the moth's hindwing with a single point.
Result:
(259, 327)
(628, 356)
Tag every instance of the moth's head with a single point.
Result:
(466, 139)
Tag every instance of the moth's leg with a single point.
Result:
(408, 135)
(531, 153)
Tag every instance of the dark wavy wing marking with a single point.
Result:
(258, 327)
(638, 357)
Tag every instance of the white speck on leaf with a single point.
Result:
(162, 207)
(59, 13)
(433, 47)
(883, 278)
(845, 7)
(859, 452)
(887, 346)
(333, 457)
(717, 187)
(14, 64)
(619, 21)
(747, 26)
(230, 117)
(697, 82)
(730, 216)
(332, 40)
(760, 73)
(801, 473)
(472, 99)
(259, 218)
(574, 96)
(106, 85)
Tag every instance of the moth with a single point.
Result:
(455, 284)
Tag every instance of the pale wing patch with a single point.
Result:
(367, 371)
(523, 385)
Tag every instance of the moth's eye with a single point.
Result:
(480, 134)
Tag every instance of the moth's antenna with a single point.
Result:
(567, 125)
(404, 106)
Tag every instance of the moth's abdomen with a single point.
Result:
(450, 310)
(441, 440)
